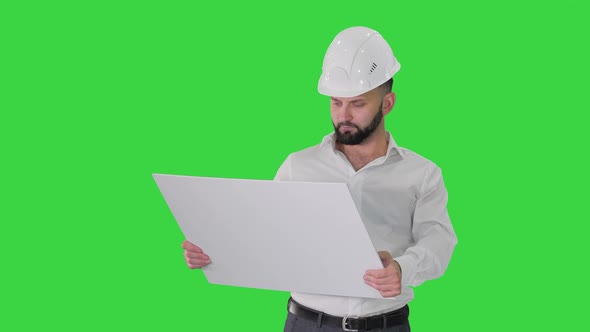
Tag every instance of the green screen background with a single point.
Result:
(96, 96)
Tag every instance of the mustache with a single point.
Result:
(347, 123)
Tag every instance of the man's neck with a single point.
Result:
(360, 155)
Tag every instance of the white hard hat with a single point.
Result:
(357, 61)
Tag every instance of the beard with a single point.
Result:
(354, 138)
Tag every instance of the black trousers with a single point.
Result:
(297, 324)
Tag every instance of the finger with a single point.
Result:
(197, 263)
(380, 288)
(380, 273)
(370, 283)
(192, 254)
(197, 266)
(197, 260)
(390, 293)
(385, 290)
(381, 281)
(191, 246)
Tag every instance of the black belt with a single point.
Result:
(392, 318)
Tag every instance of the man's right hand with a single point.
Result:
(194, 256)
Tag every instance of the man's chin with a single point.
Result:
(347, 139)
(347, 133)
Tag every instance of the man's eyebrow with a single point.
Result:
(352, 101)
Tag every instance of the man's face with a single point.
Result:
(356, 118)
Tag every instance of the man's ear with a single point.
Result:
(388, 102)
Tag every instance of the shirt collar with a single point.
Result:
(392, 147)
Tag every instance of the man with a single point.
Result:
(400, 196)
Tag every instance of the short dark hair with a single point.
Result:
(387, 86)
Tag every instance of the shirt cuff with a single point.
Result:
(408, 266)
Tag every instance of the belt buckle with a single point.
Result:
(345, 323)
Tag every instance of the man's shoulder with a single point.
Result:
(415, 158)
(311, 152)
(304, 160)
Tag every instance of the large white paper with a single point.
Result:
(292, 236)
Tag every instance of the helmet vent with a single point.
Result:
(373, 67)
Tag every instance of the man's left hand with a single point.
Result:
(388, 280)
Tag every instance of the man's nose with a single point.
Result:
(345, 114)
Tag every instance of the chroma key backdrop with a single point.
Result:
(95, 96)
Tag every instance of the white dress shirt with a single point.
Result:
(401, 199)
